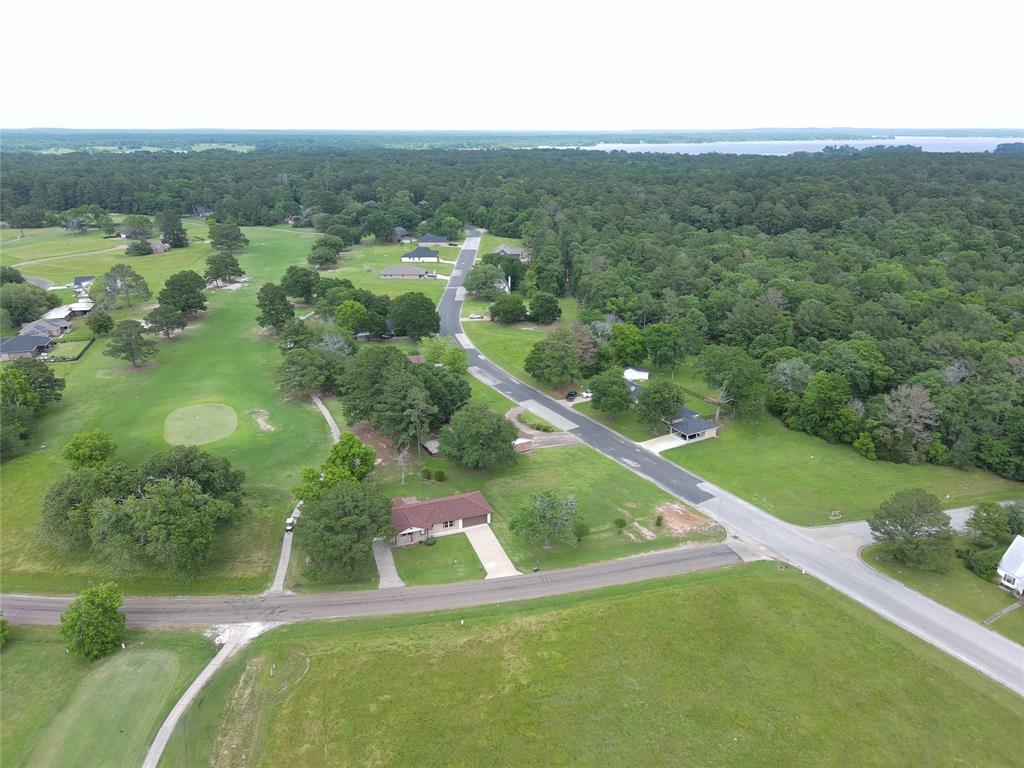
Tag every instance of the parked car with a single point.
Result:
(587, 394)
(289, 524)
(387, 336)
(476, 316)
(570, 396)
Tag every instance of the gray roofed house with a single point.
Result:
(402, 272)
(42, 327)
(24, 346)
(511, 250)
(420, 253)
(429, 239)
(400, 235)
(83, 281)
(690, 426)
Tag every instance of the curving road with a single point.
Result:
(751, 528)
(985, 650)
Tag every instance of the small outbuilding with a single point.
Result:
(1011, 567)
(24, 346)
(415, 521)
(420, 254)
(690, 425)
(158, 247)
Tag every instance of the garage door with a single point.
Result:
(479, 520)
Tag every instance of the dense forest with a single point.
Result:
(874, 298)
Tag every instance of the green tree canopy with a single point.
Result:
(555, 359)
(275, 309)
(184, 292)
(508, 309)
(544, 308)
(479, 438)
(548, 519)
(226, 237)
(339, 526)
(914, 529)
(415, 314)
(165, 319)
(128, 341)
(93, 625)
(89, 449)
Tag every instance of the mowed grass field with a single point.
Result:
(604, 491)
(222, 358)
(62, 711)
(802, 479)
(704, 669)
(57, 256)
(449, 558)
(793, 475)
(362, 264)
(508, 345)
(956, 588)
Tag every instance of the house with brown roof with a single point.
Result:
(417, 521)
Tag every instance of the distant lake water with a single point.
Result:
(927, 144)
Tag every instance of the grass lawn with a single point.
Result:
(957, 588)
(481, 393)
(362, 264)
(604, 491)
(62, 711)
(69, 348)
(704, 669)
(627, 424)
(57, 256)
(802, 479)
(221, 359)
(449, 558)
(508, 345)
(490, 243)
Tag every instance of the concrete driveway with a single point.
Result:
(386, 569)
(491, 553)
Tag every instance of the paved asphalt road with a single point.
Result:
(190, 611)
(983, 649)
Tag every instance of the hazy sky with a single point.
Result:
(512, 65)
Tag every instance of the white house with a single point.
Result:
(1011, 567)
(421, 254)
(636, 373)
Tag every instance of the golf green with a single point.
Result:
(200, 424)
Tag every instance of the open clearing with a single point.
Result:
(956, 588)
(237, 367)
(604, 491)
(62, 711)
(802, 479)
(697, 670)
(200, 424)
(449, 558)
(362, 264)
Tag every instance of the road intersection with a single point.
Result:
(752, 531)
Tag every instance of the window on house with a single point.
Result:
(448, 524)
(1008, 579)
